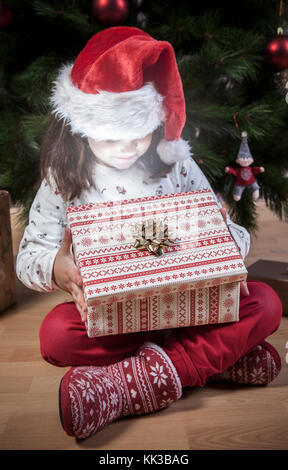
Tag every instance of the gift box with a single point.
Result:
(133, 251)
(217, 304)
(7, 271)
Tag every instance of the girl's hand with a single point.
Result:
(67, 276)
(243, 285)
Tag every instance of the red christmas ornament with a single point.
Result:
(110, 12)
(277, 52)
(6, 15)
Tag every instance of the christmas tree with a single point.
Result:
(228, 83)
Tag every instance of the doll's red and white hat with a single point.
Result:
(123, 85)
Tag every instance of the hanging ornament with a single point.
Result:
(110, 12)
(277, 47)
(6, 15)
(277, 51)
(244, 174)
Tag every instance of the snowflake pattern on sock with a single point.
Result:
(96, 400)
(92, 397)
(259, 367)
(149, 381)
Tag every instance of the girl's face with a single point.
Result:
(120, 154)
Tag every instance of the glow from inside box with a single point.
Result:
(183, 216)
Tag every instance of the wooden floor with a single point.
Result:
(214, 417)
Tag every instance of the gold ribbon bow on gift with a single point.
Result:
(153, 244)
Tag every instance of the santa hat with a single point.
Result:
(123, 85)
(244, 150)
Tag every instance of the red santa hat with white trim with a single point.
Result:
(123, 85)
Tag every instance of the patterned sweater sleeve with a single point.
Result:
(42, 239)
(192, 179)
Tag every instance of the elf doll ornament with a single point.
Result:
(245, 174)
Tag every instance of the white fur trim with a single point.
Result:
(107, 115)
(173, 151)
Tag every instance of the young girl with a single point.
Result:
(116, 134)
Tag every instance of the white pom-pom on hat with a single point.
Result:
(173, 151)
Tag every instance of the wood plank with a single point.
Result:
(218, 416)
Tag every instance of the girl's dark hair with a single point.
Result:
(69, 160)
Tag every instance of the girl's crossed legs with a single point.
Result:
(197, 352)
(137, 373)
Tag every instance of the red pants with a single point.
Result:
(197, 352)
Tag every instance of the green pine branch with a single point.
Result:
(223, 69)
(62, 12)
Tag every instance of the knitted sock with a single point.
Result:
(91, 397)
(88, 400)
(148, 381)
(259, 367)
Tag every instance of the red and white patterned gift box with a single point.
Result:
(119, 279)
(217, 304)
